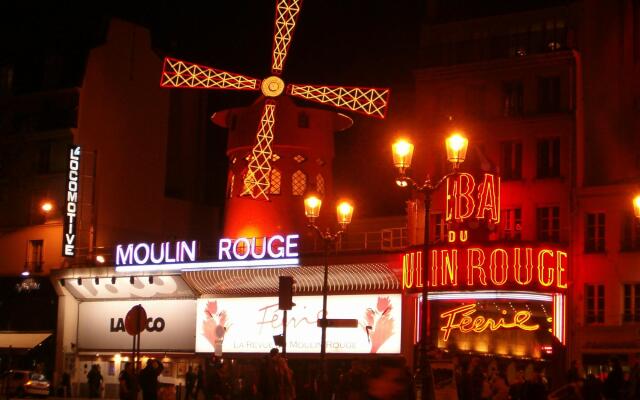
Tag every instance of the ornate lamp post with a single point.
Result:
(456, 146)
(344, 212)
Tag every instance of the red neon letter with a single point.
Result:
(528, 265)
(542, 268)
(467, 182)
(561, 270)
(489, 198)
(450, 268)
(458, 192)
(473, 265)
(502, 264)
(408, 268)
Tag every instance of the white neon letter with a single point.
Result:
(124, 257)
(223, 248)
(279, 251)
(292, 245)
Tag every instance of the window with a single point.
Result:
(303, 120)
(440, 228)
(232, 180)
(513, 98)
(511, 223)
(34, 255)
(44, 158)
(594, 233)
(511, 158)
(548, 224)
(549, 94)
(320, 184)
(594, 303)
(630, 233)
(298, 183)
(631, 302)
(276, 180)
(548, 158)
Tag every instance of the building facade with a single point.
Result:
(536, 90)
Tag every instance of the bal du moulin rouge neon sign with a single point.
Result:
(475, 266)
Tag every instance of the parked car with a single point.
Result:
(25, 383)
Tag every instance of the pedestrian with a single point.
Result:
(287, 390)
(534, 387)
(128, 388)
(592, 388)
(94, 379)
(633, 389)
(149, 379)
(199, 382)
(190, 382)
(614, 383)
(573, 374)
(66, 385)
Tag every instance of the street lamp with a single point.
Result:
(636, 206)
(456, 146)
(344, 212)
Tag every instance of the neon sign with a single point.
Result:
(467, 200)
(71, 204)
(275, 246)
(261, 252)
(164, 253)
(463, 319)
(488, 267)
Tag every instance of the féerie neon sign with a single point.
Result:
(463, 319)
(255, 252)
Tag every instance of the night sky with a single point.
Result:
(337, 42)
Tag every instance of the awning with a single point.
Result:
(21, 340)
(343, 278)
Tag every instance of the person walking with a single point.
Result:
(199, 382)
(128, 388)
(94, 379)
(149, 379)
(190, 383)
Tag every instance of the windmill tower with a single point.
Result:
(291, 151)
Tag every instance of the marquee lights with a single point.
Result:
(261, 252)
(465, 199)
(463, 318)
(488, 267)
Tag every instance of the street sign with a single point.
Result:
(136, 320)
(339, 323)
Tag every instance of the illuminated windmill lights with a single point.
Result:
(365, 100)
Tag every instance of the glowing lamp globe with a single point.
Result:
(312, 206)
(344, 211)
(456, 148)
(402, 154)
(636, 206)
(46, 206)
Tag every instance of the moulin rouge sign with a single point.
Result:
(255, 252)
(462, 266)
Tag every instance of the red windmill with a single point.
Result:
(257, 180)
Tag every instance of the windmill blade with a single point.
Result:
(182, 74)
(368, 101)
(257, 181)
(286, 16)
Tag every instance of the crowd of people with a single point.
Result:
(476, 378)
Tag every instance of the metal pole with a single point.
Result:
(284, 333)
(323, 342)
(425, 365)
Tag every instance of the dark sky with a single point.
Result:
(337, 42)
